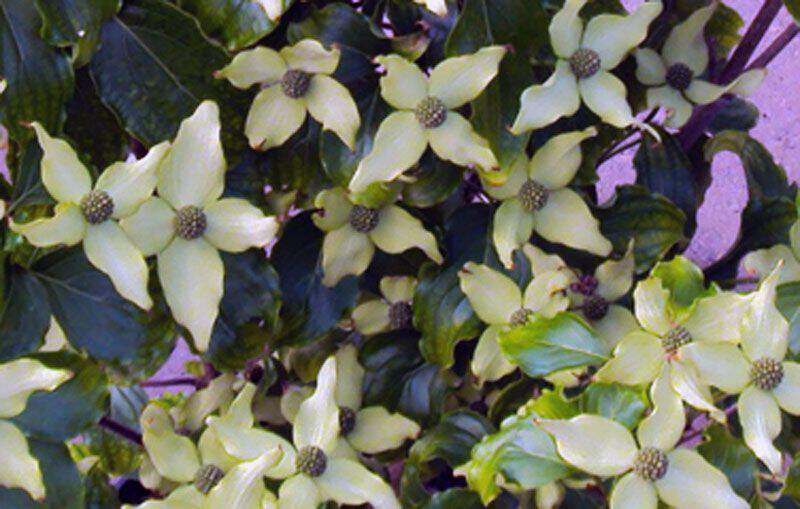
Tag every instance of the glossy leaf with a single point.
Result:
(75, 23)
(62, 480)
(237, 24)
(683, 279)
(620, 403)
(24, 314)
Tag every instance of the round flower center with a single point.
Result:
(97, 206)
(520, 316)
(586, 285)
(207, 477)
(584, 63)
(347, 420)
(595, 307)
(431, 112)
(311, 461)
(295, 83)
(533, 196)
(676, 338)
(400, 315)
(363, 219)
(679, 76)
(190, 222)
(766, 373)
(651, 464)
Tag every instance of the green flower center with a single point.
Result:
(97, 206)
(766, 373)
(595, 307)
(295, 83)
(533, 196)
(400, 315)
(207, 477)
(520, 316)
(431, 112)
(679, 76)
(311, 461)
(347, 420)
(651, 464)
(190, 222)
(363, 219)
(584, 63)
(676, 338)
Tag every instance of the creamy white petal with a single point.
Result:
(633, 492)
(152, 227)
(19, 469)
(243, 486)
(541, 261)
(258, 65)
(348, 482)
(455, 140)
(555, 164)
(299, 492)
(686, 382)
(335, 207)
(686, 43)
(764, 330)
(650, 303)
(174, 456)
(615, 277)
(371, 317)
(516, 175)
(663, 428)
(399, 231)
(760, 417)
(691, 481)
(638, 359)
(345, 252)
(488, 362)
(719, 364)
(678, 109)
(458, 80)
(717, 318)
(566, 219)
(546, 294)
(704, 92)
(330, 103)
(650, 68)
(494, 297)
(310, 56)
(761, 262)
(349, 378)
(398, 288)
(377, 430)
(130, 184)
(23, 377)
(66, 227)
(566, 29)
(404, 85)
(787, 393)
(618, 323)
(541, 105)
(235, 225)
(605, 94)
(317, 420)
(613, 36)
(273, 118)
(63, 174)
(512, 229)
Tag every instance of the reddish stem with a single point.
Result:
(120, 429)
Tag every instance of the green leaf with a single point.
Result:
(39, 77)
(723, 28)
(424, 392)
(435, 181)
(72, 407)
(310, 309)
(653, 222)
(788, 302)
(732, 457)
(75, 23)
(683, 279)
(249, 309)
(665, 168)
(620, 403)
(552, 404)
(455, 498)
(24, 314)
(62, 481)
(340, 24)
(236, 23)
(117, 456)
(792, 486)
(519, 454)
(154, 68)
(511, 397)
(546, 345)
(793, 6)
(736, 113)
(26, 175)
(100, 493)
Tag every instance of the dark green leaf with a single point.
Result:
(683, 279)
(736, 113)
(455, 498)
(732, 457)
(28, 188)
(511, 398)
(793, 6)
(788, 302)
(654, 223)
(424, 391)
(310, 309)
(235, 23)
(62, 481)
(100, 493)
(435, 181)
(553, 405)
(39, 77)
(249, 308)
(116, 455)
(546, 345)
(75, 23)
(793, 479)
(24, 314)
(156, 40)
(621, 403)
(338, 23)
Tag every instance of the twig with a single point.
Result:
(120, 429)
(776, 47)
(693, 433)
(755, 33)
(615, 151)
(184, 380)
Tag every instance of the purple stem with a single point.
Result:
(121, 430)
(185, 380)
(776, 47)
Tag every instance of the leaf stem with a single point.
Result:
(755, 32)
(693, 433)
(183, 380)
(109, 424)
(776, 47)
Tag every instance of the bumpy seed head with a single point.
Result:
(585, 285)
(431, 112)
(190, 222)
(533, 196)
(676, 338)
(97, 206)
(347, 420)
(679, 76)
(401, 315)
(311, 461)
(295, 83)
(651, 464)
(766, 373)
(363, 219)
(520, 316)
(207, 477)
(595, 307)
(584, 63)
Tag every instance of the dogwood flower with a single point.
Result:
(352, 231)
(674, 73)
(652, 470)
(667, 334)
(274, 8)
(188, 222)
(499, 302)
(536, 197)
(392, 312)
(426, 116)
(585, 59)
(438, 7)
(367, 430)
(765, 381)
(21, 378)
(90, 214)
(293, 81)
(761, 262)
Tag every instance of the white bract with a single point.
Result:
(438, 7)
(352, 232)
(585, 59)
(21, 378)
(273, 8)
(294, 81)
(392, 312)
(536, 198)
(88, 214)
(762, 262)
(189, 222)
(673, 74)
(425, 116)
